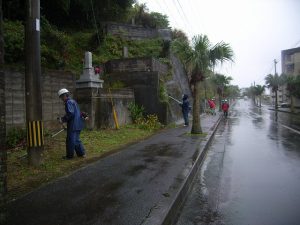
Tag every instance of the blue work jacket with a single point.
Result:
(72, 116)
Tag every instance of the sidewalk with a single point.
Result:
(142, 184)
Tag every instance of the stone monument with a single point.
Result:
(89, 79)
(87, 90)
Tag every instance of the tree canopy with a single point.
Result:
(72, 13)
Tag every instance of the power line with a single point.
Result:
(166, 7)
(183, 11)
(193, 12)
(296, 45)
(182, 17)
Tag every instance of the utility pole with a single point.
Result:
(275, 62)
(3, 153)
(35, 134)
(276, 101)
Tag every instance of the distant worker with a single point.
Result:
(185, 106)
(225, 107)
(212, 106)
(73, 118)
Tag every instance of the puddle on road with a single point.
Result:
(135, 170)
(161, 150)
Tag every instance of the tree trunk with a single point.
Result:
(220, 103)
(3, 154)
(260, 101)
(276, 102)
(196, 126)
(292, 104)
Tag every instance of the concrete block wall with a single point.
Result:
(52, 81)
(3, 155)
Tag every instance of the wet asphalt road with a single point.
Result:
(251, 175)
(134, 186)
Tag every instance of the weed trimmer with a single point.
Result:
(176, 100)
(63, 128)
(57, 133)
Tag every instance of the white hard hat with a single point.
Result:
(62, 91)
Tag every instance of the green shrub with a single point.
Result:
(13, 41)
(15, 136)
(136, 112)
(163, 94)
(117, 84)
(149, 123)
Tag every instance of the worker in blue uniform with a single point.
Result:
(74, 121)
(185, 106)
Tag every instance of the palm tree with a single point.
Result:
(199, 58)
(232, 91)
(221, 81)
(259, 90)
(273, 82)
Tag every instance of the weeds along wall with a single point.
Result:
(53, 107)
(146, 91)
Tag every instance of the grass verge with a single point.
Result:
(23, 178)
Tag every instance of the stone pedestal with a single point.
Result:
(89, 79)
(87, 89)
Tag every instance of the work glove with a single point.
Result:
(84, 115)
(59, 119)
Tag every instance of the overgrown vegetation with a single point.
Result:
(136, 112)
(15, 136)
(14, 41)
(148, 122)
(23, 179)
(61, 50)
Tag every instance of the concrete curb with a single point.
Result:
(278, 110)
(166, 213)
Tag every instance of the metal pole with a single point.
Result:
(35, 137)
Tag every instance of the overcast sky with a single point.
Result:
(257, 30)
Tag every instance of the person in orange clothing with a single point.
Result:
(212, 106)
(225, 107)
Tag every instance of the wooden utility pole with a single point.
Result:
(276, 98)
(3, 153)
(35, 137)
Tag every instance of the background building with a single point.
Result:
(290, 64)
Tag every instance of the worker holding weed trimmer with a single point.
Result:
(185, 106)
(73, 118)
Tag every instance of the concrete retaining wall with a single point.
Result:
(135, 31)
(142, 64)
(121, 99)
(146, 91)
